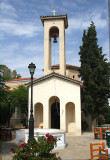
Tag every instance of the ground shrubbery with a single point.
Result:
(36, 150)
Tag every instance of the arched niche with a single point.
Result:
(38, 115)
(70, 117)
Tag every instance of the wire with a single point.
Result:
(54, 54)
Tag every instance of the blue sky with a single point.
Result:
(22, 37)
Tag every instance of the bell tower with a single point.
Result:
(54, 27)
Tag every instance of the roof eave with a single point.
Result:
(57, 75)
(43, 18)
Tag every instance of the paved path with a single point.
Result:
(78, 147)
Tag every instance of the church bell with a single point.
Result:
(55, 40)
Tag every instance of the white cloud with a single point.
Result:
(7, 9)
(18, 58)
(16, 28)
(34, 47)
(79, 22)
(66, 4)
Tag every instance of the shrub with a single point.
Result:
(36, 150)
(84, 125)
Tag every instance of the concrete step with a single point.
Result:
(70, 134)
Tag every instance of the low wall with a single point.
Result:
(24, 134)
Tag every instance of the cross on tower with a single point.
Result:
(54, 12)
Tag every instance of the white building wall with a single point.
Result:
(66, 91)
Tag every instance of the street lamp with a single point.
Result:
(31, 120)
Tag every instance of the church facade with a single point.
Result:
(56, 95)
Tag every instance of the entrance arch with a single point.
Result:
(70, 117)
(54, 103)
(38, 114)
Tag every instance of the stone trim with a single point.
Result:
(53, 74)
(43, 18)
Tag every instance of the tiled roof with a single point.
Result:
(67, 66)
(56, 75)
(55, 17)
(20, 79)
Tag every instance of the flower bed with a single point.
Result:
(36, 150)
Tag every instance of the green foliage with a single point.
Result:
(20, 98)
(94, 72)
(8, 74)
(24, 121)
(6, 97)
(107, 116)
(3, 112)
(84, 125)
(101, 120)
(36, 150)
(6, 110)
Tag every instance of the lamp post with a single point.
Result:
(31, 120)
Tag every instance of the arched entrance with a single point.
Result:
(54, 112)
(55, 115)
(38, 115)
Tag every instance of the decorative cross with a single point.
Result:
(54, 12)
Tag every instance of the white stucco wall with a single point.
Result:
(66, 91)
(47, 48)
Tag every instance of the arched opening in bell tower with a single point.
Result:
(54, 45)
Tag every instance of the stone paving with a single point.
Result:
(78, 147)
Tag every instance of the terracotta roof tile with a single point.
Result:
(20, 79)
(67, 65)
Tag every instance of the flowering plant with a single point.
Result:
(36, 150)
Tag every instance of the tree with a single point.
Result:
(20, 100)
(94, 73)
(8, 74)
(6, 107)
(3, 87)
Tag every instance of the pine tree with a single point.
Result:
(94, 73)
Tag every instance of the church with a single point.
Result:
(56, 95)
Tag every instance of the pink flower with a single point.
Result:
(25, 157)
(12, 149)
(47, 139)
(47, 134)
(36, 147)
(23, 144)
(51, 139)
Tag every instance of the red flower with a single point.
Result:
(28, 153)
(12, 149)
(23, 144)
(36, 147)
(25, 157)
(47, 134)
(51, 139)
(47, 139)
